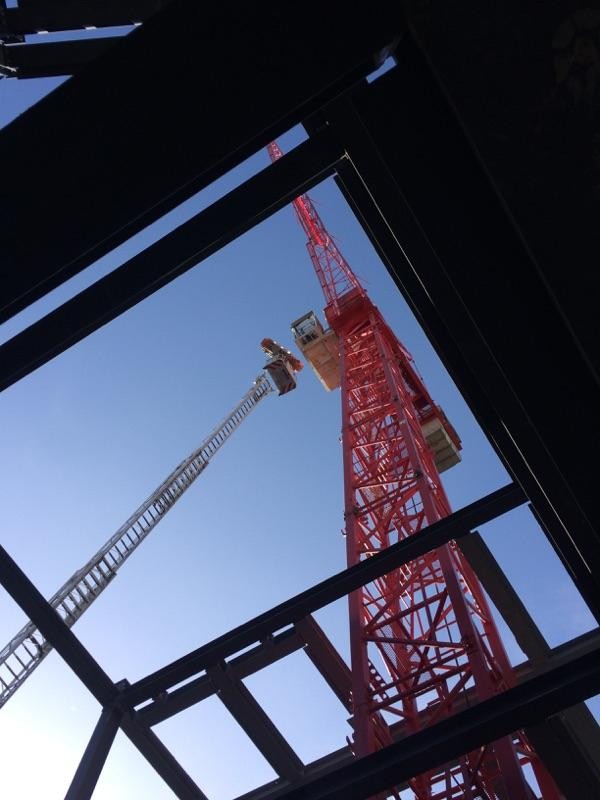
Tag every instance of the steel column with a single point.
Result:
(91, 764)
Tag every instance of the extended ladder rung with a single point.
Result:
(22, 663)
(24, 645)
(103, 563)
(66, 611)
(8, 667)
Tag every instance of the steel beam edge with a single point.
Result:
(296, 608)
(109, 695)
(51, 59)
(111, 95)
(558, 657)
(159, 757)
(256, 724)
(569, 743)
(62, 639)
(268, 652)
(91, 764)
(31, 17)
(190, 243)
(516, 708)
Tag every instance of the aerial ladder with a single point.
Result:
(29, 647)
(423, 642)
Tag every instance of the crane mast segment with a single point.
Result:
(29, 647)
(423, 642)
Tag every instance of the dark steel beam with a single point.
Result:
(327, 660)
(62, 639)
(256, 724)
(568, 744)
(568, 739)
(538, 153)
(562, 654)
(446, 741)
(68, 646)
(157, 121)
(376, 195)
(400, 731)
(159, 757)
(31, 16)
(505, 598)
(444, 234)
(53, 58)
(234, 214)
(298, 607)
(91, 764)
(263, 655)
(563, 745)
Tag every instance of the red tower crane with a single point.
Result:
(423, 642)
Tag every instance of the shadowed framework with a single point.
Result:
(433, 247)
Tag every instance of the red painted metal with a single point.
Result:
(423, 634)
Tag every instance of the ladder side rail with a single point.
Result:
(200, 456)
(28, 648)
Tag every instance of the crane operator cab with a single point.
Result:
(282, 366)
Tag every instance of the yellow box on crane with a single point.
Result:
(444, 449)
(320, 348)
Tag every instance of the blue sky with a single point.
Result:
(87, 437)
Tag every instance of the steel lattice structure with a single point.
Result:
(421, 635)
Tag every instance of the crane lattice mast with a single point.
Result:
(29, 647)
(422, 636)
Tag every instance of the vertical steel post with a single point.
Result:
(91, 764)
